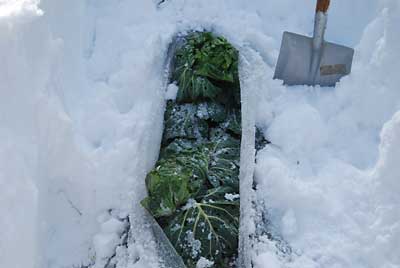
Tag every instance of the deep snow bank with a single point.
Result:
(106, 87)
(325, 194)
(81, 107)
(23, 75)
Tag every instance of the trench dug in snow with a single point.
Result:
(81, 103)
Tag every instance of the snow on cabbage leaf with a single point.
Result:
(206, 66)
(213, 222)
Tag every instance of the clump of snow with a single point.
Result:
(204, 263)
(171, 92)
(191, 203)
(193, 244)
(231, 197)
(107, 240)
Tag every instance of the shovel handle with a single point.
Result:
(323, 5)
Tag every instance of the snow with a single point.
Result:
(171, 92)
(204, 263)
(231, 197)
(9, 9)
(106, 242)
(267, 259)
(320, 178)
(81, 110)
(191, 203)
(193, 244)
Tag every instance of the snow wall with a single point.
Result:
(81, 105)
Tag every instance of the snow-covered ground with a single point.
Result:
(81, 105)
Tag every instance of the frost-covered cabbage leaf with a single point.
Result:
(181, 121)
(168, 188)
(217, 160)
(224, 157)
(208, 228)
(234, 123)
(206, 66)
(212, 111)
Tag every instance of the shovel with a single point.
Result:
(312, 61)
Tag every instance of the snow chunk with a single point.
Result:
(190, 204)
(107, 241)
(231, 197)
(204, 263)
(113, 226)
(193, 243)
(172, 91)
(104, 245)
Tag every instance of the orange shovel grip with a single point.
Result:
(323, 5)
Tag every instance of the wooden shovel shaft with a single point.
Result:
(321, 19)
(323, 5)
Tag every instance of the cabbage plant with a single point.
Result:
(193, 191)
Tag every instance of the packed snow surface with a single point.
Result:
(81, 110)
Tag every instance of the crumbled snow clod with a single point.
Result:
(171, 92)
(204, 263)
(193, 243)
(190, 204)
(113, 226)
(106, 242)
(232, 197)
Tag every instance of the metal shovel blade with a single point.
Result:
(296, 56)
